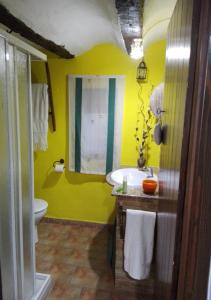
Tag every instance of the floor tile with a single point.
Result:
(63, 291)
(84, 277)
(77, 258)
(93, 294)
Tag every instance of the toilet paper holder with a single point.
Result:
(61, 161)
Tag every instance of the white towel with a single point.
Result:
(156, 100)
(139, 242)
(40, 116)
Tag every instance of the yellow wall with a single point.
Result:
(87, 197)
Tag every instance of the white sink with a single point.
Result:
(134, 176)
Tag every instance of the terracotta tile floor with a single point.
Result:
(76, 257)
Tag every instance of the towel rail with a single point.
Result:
(124, 208)
(122, 217)
(51, 112)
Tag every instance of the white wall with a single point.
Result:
(157, 14)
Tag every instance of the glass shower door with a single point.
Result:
(7, 214)
(16, 175)
(23, 88)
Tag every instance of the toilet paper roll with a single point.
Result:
(59, 168)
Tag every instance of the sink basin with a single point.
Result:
(134, 176)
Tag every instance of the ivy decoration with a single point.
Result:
(144, 114)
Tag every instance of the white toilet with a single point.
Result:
(40, 209)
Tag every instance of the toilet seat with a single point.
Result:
(39, 205)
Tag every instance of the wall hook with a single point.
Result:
(159, 111)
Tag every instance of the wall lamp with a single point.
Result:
(141, 72)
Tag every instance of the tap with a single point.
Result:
(151, 173)
(149, 170)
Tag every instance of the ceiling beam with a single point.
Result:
(130, 14)
(18, 26)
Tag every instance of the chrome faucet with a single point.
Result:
(149, 170)
(151, 174)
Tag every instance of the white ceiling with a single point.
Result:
(157, 14)
(81, 24)
(76, 24)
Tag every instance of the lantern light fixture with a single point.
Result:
(141, 71)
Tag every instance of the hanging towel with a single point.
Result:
(156, 100)
(40, 116)
(139, 242)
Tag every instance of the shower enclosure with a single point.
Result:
(17, 250)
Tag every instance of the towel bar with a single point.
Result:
(51, 112)
(124, 208)
(122, 218)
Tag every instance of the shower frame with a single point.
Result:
(17, 249)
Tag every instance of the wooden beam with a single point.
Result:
(52, 112)
(130, 14)
(16, 25)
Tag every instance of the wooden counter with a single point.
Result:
(140, 201)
